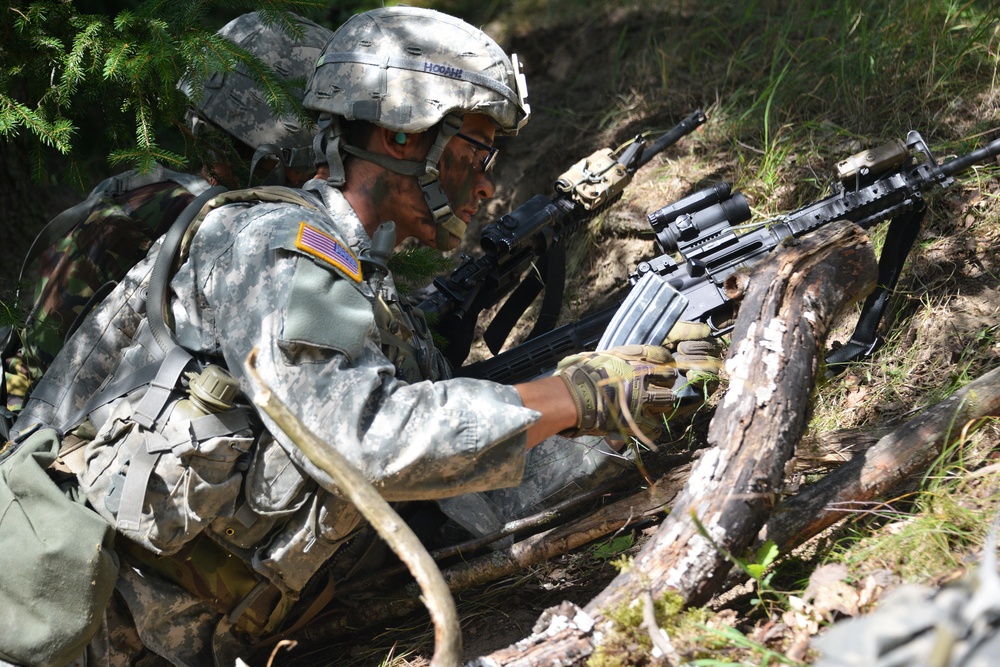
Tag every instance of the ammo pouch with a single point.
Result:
(160, 475)
(56, 555)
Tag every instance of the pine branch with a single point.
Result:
(416, 266)
(60, 60)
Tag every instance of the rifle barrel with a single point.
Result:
(962, 163)
(689, 124)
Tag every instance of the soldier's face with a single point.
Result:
(462, 176)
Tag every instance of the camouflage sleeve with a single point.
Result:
(253, 280)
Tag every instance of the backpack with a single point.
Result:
(75, 262)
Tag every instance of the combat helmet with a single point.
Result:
(233, 102)
(409, 69)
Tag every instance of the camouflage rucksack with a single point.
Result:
(78, 258)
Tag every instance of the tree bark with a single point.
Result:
(779, 334)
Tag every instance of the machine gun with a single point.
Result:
(532, 234)
(706, 231)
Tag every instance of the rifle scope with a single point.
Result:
(698, 214)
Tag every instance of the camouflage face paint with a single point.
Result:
(459, 172)
(462, 175)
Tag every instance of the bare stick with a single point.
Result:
(392, 529)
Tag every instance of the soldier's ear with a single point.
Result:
(391, 144)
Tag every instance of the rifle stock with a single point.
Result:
(706, 231)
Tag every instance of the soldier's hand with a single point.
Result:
(621, 389)
(694, 348)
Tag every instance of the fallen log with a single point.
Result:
(779, 336)
(779, 333)
(909, 450)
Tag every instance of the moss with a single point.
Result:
(627, 643)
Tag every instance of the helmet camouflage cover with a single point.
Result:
(234, 102)
(406, 68)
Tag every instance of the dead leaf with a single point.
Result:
(870, 593)
(856, 397)
(829, 593)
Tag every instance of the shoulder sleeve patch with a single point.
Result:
(321, 245)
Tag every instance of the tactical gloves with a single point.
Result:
(633, 387)
(620, 390)
(695, 351)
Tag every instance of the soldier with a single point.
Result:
(90, 247)
(227, 533)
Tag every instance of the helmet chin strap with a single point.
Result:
(277, 174)
(448, 224)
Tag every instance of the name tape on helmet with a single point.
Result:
(420, 66)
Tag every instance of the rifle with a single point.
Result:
(532, 234)
(706, 231)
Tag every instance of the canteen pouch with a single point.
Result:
(161, 487)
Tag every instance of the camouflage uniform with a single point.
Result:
(253, 279)
(286, 280)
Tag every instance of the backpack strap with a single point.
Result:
(177, 240)
(156, 299)
(131, 180)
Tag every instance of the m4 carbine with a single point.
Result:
(533, 234)
(703, 241)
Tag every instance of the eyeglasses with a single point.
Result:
(491, 152)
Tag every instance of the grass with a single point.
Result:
(935, 530)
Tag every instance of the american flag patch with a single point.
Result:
(327, 248)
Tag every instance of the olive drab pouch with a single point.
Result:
(57, 558)
(161, 483)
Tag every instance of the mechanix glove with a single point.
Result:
(695, 352)
(621, 389)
